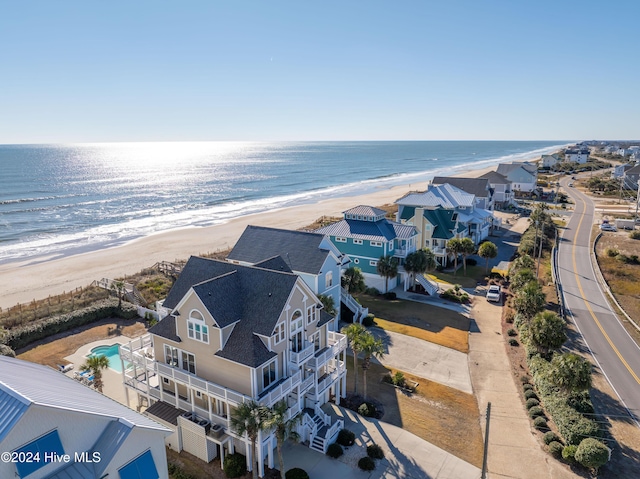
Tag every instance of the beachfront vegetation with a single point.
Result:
(487, 250)
(354, 333)
(419, 262)
(20, 336)
(96, 364)
(250, 418)
(387, 267)
(284, 429)
(353, 280)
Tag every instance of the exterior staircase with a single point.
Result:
(322, 431)
(429, 286)
(359, 312)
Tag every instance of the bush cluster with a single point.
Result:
(21, 336)
(235, 465)
(375, 452)
(550, 437)
(536, 411)
(530, 394)
(372, 291)
(455, 296)
(556, 448)
(368, 321)
(512, 332)
(367, 409)
(569, 453)
(296, 473)
(540, 423)
(592, 453)
(346, 438)
(635, 234)
(531, 403)
(366, 464)
(176, 472)
(335, 450)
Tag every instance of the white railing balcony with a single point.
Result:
(337, 343)
(293, 411)
(404, 251)
(439, 251)
(306, 384)
(297, 358)
(138, 351)
(281, 390)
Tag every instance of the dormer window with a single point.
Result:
(196, 327)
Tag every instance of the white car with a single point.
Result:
(494, 293)
(607, 227)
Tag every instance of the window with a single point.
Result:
(357, 241)
(49, 443)
(196, 328)
(340, 239)
(375, 243)
(391, 245)
(279, 334)
(171, 356)
(373, 262)
(310, 313)
(198, 394)
(268, 374)
(328, 279)
(427, 227)
(356, 260)
(142, 467)
(165, 380)
(188, 362)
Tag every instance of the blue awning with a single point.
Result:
(39, 452)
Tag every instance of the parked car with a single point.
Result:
(607, 227)
(571, 185)
(494, 293)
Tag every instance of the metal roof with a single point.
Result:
(496, 178)
(446, 196)
(382, 230)
(43, 386)
(364, 210)
(12, 407)
(474, 186)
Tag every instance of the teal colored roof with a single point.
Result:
(442, 221)
(407, 212)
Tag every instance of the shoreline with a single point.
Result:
(40, 277)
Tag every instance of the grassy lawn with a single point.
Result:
(430, 323)
(474, 274)
(436, 413)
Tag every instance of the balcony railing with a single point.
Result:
(281, 390)
(306, 384)
(404, 251)
(337, 343)
(138, 351)
(297, 358)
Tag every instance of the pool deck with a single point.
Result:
(112, 380)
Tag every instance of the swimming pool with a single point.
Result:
(112, 354)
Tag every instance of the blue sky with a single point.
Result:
(78, 71)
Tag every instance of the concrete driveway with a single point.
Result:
(426, 360)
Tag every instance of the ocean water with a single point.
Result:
(61, 199)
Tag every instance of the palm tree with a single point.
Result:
(430, 259)
(284, 429)
(370, 347)
(454, 247)
(488, 251)
(415, 263)
(250, 418)
(328, 304)
(354, 333)
(96, 364)
(570, 372)
(468, 247)
(353, 280)
(530, 300)
(117, 287)
(387, 268)
(547, 332)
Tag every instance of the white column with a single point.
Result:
(260, 455)
(247, 447)
(271, 446)
(338, 392)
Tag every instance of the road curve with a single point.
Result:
(613, 349)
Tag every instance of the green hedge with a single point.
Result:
(21, 336)
(572, 425)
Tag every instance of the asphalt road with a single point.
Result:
(615, 352)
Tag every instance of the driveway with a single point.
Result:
(426, 360)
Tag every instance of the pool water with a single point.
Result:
(112, 354)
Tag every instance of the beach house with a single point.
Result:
(470, 221)
(69, 431)
(480, 188)
(549, 161)
(366, 235)
(577, 154)
(238, 334)
(523, 176)
(312, 256)
(501, 186)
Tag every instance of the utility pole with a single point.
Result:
(486, 443)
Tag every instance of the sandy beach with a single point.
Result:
(38, 278)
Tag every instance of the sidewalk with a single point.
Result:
(406, 455)
(514, 451)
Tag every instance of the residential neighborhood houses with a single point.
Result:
(254, 329)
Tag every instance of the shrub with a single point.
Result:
(7, 351)
(530, 394)
(555, 448)
(508, 317)
(176, 472)
(581, 402)
(540, 423)
(635, 234)
(527, 387)
(390, 295)
(569, 453)
(531, 403)
(368, 321)
(398, 379)
(512, 332)
(366, 464)
(472, 261)
(346, 438)
(375, 452)
(513, 342)
(536, 411)
(367, 409)
(335, 450)
(235, 465)
(612, 252)
(372, 291)
(21, 336)
(296, 473)
(592, 453)
(550, 437)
